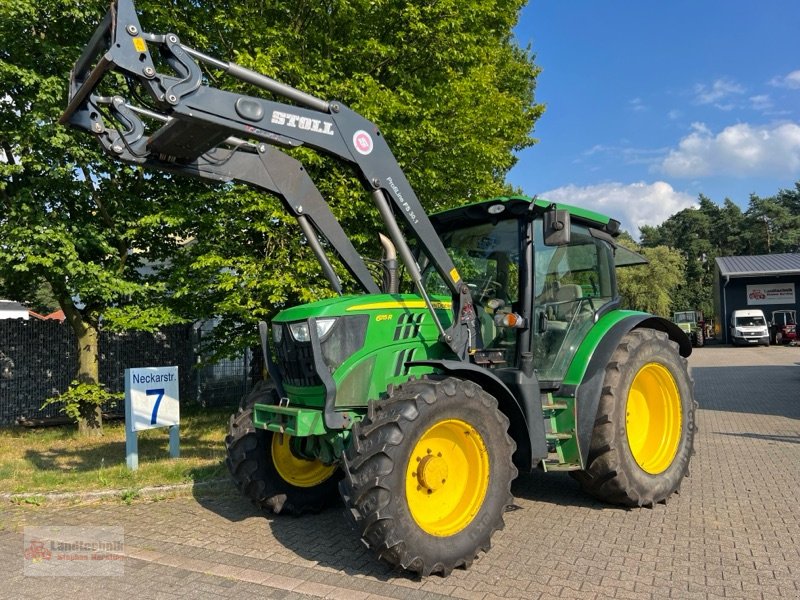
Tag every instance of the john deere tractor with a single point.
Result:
(417, 403)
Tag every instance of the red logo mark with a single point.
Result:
(362, 142)
(37, 551)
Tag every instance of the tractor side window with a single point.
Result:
(571, 283)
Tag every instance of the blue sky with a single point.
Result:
(651, 103)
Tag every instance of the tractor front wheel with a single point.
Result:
(644, 431)
(265, 468)
(428, 474)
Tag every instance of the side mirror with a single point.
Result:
(556, 227)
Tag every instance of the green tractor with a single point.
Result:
(502, 349)
(692, 324)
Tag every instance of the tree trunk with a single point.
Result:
(90, 421)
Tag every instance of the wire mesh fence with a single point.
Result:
(38, 360)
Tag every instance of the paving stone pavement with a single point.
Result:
(732, 532)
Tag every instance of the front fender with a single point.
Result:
(585, 376)
(523, 409)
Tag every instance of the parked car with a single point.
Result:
(749, 327)
(783, 326)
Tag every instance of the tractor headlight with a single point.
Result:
(299, 331)
(277, 332)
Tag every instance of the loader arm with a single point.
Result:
(189, 127)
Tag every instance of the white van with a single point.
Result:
(749, 327)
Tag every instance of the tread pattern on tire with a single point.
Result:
(249, 463)
(611, 473)
(375, 500)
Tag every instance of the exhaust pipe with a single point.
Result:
(391, 284)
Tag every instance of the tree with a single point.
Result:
(71, 221)
(650, 287)
(773, 224)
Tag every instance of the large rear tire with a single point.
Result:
(265, 469)
(428, 474)
(700, 337)
(644, 431)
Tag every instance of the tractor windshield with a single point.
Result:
(487, 258)
(683, 317)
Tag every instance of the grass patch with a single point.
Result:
(58, 460)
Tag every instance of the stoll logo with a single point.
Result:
(305, 123)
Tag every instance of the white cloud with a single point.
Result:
(674, 114)
(628, 155)
(761, 102)
(791, 81)
(632, 204)
(720, 89)
(738, 150)
(637, 105)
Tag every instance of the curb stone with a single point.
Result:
(145, 492)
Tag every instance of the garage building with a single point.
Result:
(767, 282)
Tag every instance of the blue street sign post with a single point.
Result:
(151, 400)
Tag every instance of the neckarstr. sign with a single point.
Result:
(151, 400)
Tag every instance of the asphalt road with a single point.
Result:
(732, 532)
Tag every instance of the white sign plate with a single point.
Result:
(770, 293)
(151, 397)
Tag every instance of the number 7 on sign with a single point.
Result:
(156, 392)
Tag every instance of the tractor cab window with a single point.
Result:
(571, 282)
(487, 259)
(684, 317)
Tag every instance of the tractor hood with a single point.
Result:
(384, 307)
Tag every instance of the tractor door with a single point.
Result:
(571, 283)
(487, 256)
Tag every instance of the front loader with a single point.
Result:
(508, 351)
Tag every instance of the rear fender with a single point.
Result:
(586, 384)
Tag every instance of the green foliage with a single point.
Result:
(75, 228)
(650, 287)
(128, 496)
(81, 399)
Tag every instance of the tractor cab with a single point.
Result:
(533, 298)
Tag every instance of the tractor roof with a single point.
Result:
(519, 205)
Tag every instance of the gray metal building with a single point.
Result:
(767, 282)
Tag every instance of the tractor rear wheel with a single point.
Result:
(700, 336)
(428, 474)
(644, 431)
(266, 470)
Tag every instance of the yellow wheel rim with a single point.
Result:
(297, 471)
(653, 418)
(447, 477)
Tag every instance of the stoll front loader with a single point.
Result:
(509, 353)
